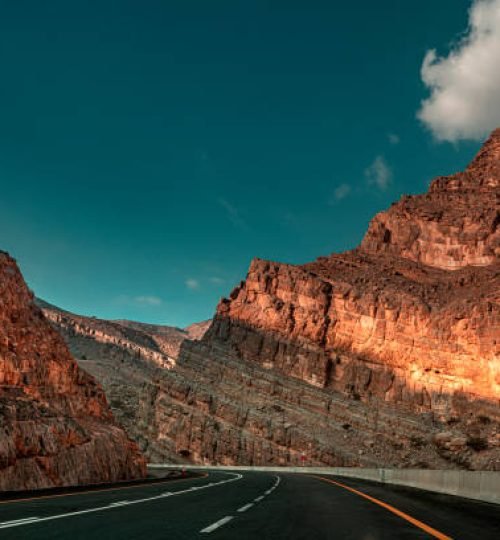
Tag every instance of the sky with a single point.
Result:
(150, 149)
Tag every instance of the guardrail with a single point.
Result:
(477, 485)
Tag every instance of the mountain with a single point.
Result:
(386, 355)
(56, 428)
(127, 358)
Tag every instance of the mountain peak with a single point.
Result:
(487, 161)
(482, 173)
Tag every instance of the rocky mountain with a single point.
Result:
(127, 358)
(387, 355)
(56, 428)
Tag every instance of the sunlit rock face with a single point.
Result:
(410, 319)
(419, 297)
(387, 355)
(452, 226)
(56, 427)
(435, 331)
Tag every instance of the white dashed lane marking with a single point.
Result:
(217, 524)
(225, 520)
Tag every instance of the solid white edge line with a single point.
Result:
(217, 524)
(257, 499)
(29, 521)
(18, 520)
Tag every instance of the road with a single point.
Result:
(250, 505)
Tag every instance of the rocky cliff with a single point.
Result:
(55, 425)
(411, 318)
(127, 358)
(385, 355)
(454, 225)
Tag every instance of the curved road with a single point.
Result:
(250, 505)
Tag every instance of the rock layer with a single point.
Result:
(387, 355)
(127, 358)
(408, 322)
(56, 426)
(454, 225)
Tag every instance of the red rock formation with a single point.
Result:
(387, 355)
(411, 317)
(127, 358)
(393, 302)
(452, 226)
(57, 428)
(437, 332)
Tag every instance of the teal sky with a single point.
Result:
(149, 150)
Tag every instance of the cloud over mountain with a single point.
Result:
(464, 101)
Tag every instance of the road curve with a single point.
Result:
(250, 505)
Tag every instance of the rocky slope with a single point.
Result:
(385, 355)
(452, 226)
(55, 425)
(127, 358)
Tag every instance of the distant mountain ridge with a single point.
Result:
(127, 357)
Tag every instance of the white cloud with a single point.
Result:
(148, 300)
(393, 138)
(233, 214)
(217, 280)
(379, 173)
(464, 101)
(340, 192)
(192, 284)
(141, 300)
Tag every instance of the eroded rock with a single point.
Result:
(55, 424)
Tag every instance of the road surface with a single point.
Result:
(250, 505)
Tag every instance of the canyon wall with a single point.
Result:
(127, 358)
(452, 226)
(407, 325)
(56, 428)
(387, 355)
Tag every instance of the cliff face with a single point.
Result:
(452, 226)
(127, 358)
(409, 321)
(57, 428)
(387, 355)
(418, 334)
(416, 305)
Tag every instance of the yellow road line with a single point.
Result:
(101, 490)
(413, 521)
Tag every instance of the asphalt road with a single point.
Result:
(255, 506)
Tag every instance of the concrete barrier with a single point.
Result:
(477, 485)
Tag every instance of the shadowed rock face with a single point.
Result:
(386, 355)
(55, 425)
(127, 358)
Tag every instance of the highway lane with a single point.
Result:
(250, 505)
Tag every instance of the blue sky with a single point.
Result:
(149, 150)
